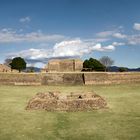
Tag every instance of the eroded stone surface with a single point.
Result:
(55, 101)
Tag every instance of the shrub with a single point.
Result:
(123, 69)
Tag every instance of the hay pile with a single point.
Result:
(54, 101)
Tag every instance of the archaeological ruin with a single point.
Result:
(56, 101)
(65, 65)
(4, 68)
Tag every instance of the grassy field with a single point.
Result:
(120, 122)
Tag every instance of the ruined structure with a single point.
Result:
(69, 78)
(4, 68)
(7, 69)
(65, 65)
(56, 101)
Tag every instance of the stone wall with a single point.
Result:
(65, 65)
(63, 79)
(111, 77)
(78, 65)
(87, 78)
(91, 78)
(126, 77)
(53, 66)
(20, 79)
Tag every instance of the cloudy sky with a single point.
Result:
(39, 30)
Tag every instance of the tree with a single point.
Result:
(30, 68)
(93, 64)
(123, 69)
(106, 61)
(18, 63)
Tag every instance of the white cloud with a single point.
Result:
(25, 19)
(33, 55)
(128, 39)
(12, 36)
(136, 26)
(134, 40)
(70, 48)
(119, 35)
(39, 37)
(105, 34)
(118, 43)
(76, 48)
(97, 47)
(109, 48)
(97, 40)
(64, 49)
(114, 33)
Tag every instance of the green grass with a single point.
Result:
(120, 122)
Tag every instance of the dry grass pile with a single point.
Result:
(55, 101)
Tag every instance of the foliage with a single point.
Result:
(93, 64)
(123, 69)
(18, 63)
(106, 61)
(30, 70)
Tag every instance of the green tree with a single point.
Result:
(86, 64)
(123, 69)
(18, 63)
(93, 64)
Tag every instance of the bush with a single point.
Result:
(123, 69)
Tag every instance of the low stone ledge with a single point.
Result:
(27, 84)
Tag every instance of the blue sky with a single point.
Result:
(39, 30)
